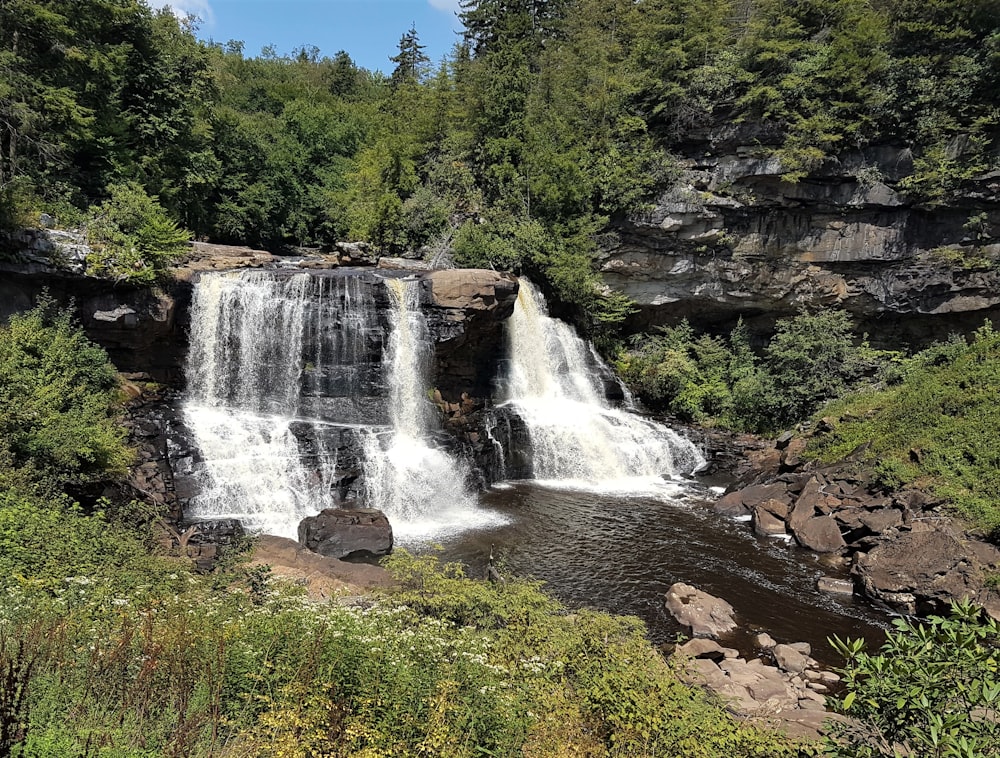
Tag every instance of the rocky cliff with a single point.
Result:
(734, 239)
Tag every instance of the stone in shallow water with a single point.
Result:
(708, 616)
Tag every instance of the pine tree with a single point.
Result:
(411, 62)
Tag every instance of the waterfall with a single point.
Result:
(555, 386)
(298, 383)
(275, 359)
(419, 487)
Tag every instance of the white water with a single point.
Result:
(420, 488)
(577, 439)
(243, 392)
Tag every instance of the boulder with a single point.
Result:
(806, 504)
(821, 534)
(922, 572)
(764, 641)
(730, 504)
(881, 520)
(791, 456)
(790, 659)
(342, 532)
(765, 523)
(704, 648)
(706, 615)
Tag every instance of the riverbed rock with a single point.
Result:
(820, 534)
(342, 532)
(766, 523)
(785, 696)
(706, 615)
(835, 586)
(790, 659)
(921, 572)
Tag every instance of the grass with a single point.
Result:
(938, 427)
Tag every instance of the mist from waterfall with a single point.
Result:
(421, 488)
(554, 384)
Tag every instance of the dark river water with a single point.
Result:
(620, 553)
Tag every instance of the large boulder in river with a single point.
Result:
(923, 571)
(707, 615)
(342, 532)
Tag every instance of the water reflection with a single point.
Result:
(621, 554)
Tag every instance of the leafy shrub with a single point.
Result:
(131, 236)
(688, 376)
(932, 690)
(811, 358)
(59, 398)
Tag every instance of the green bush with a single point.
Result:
(810, 359)
(932, 690)
(59, 399)
(442, 666)
(131, 236)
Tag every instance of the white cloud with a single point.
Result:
(184, 8)
(451, 6)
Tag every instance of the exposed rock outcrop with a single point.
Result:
(142, 328)
(736, 239)
(901, 549)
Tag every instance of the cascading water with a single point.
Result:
(274, 358)
(419, 487)
(576, 438)
(289, 372)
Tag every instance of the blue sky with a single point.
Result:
(369, 30)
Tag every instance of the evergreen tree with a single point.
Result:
(411, 62)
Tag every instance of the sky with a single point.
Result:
(369, 30)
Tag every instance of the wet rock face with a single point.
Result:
(465, 311)
(736, 240)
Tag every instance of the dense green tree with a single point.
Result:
(411, 61)
(40, 115)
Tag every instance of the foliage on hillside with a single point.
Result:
(812, 358)
(547, 119)
(936, 427)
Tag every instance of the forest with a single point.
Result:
(549, 121)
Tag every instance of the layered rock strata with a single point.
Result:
(735, 239)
